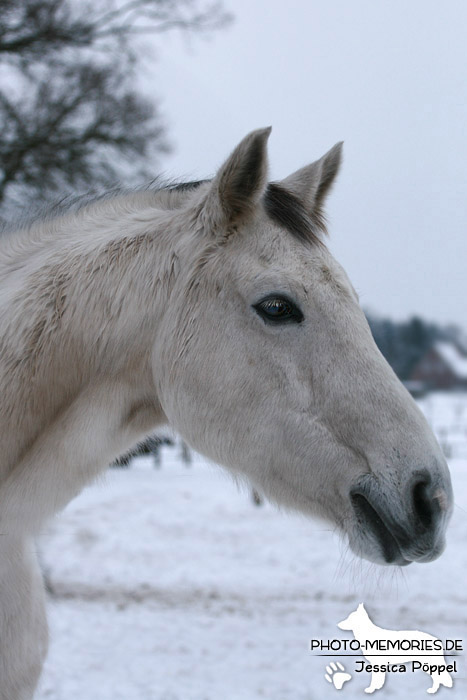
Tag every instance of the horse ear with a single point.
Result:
(312, 183)
(241, 181)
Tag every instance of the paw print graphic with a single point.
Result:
(337, 675)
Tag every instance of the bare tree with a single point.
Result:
(70, 115)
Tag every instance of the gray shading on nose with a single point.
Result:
(406, 526)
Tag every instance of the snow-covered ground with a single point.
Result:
(170, 584)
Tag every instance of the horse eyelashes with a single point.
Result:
(278, 310)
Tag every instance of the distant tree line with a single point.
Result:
(403, 343)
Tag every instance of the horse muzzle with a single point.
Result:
(401, 527)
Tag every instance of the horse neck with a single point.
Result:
(85, 300)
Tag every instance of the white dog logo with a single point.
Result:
(367, 634)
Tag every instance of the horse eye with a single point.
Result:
(276, 309)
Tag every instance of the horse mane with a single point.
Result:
(282, 207)
(160, 193)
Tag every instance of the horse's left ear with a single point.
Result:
(241, 181)
(312, 183)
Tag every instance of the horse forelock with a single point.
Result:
(285, 209)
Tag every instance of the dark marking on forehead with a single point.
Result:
(285, 209)
(326, 273)
(328, 278)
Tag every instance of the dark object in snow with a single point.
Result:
(151, 446)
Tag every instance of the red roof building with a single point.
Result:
(444, 366)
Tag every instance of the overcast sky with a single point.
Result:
(387, 77)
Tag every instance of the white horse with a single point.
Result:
(215, 307)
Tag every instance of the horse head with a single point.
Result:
(265, 363)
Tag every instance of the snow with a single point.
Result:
(453, 358)
(169, 584)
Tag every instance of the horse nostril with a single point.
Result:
(422, 503)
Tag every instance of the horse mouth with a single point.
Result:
(368, 518)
